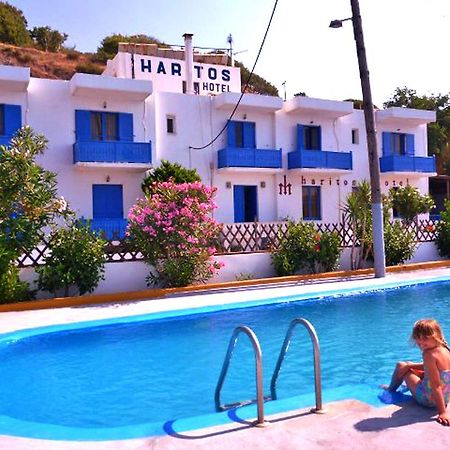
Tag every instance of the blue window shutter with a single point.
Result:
(409, 140)
(231, 134)
(107, 201)
(249, 135)
(387, 143)
(239, 203)
(82, 125)
(12, 118)
(126, 127)
(300, 137)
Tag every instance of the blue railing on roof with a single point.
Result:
(405, 163)
(315, 159)
(112, 152)
(249, 157)
(110, 228)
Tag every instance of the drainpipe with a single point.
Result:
(189, 62)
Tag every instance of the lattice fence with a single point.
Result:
(236, 238)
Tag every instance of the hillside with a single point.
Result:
(61, 65)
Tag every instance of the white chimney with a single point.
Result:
(189, 62)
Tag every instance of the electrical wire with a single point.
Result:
(246, 84)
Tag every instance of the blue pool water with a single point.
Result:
(82, 382)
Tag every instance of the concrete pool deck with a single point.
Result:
(348, 424)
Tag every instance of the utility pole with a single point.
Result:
(372, 149)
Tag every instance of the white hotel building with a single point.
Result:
(298, 159)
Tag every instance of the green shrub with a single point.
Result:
(399, 243)
(89, 67)
(443, 231)
(12, 288)
(77, 259)
(304, 249)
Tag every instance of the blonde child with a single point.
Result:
(429, 382)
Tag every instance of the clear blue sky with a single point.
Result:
(406, 40)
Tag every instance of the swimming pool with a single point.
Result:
(131, 377)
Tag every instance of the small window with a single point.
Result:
(103, 126)
(196, 87)
(170, 121)
(311, 202)
(355, 136)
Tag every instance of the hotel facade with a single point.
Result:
(274, 160)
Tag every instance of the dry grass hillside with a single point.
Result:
(60, 65)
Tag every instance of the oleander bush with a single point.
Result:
(303, 249)
(175, 232)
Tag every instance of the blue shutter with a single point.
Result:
(82, 125)
(239, 203)
(231, 134)
(300, 137)
(387, 143)
(12, 118)
(249, 135)
(107, 201)
(409, 143)
(125, 127)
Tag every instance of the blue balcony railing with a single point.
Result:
(112, 152)
(249, 157)
(405, 163)
(319, 159)
(110, 228)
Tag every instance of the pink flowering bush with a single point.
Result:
(175, 232)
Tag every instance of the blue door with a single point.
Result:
(245, 200)
(107, 201)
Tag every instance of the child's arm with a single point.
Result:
(436, 388)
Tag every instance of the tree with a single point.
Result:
(257, 85)
(28, 203)
(76, 259)
(13, 26)
(48, 39)
(409, 202)
(110, 44)
(168, 171)
(439, 131)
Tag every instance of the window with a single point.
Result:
(398, 144)
(241, 134)
(311, 202)
(245, 203)
(355, 136)
(196, 87)
(104, 126)
(170, 123)
(309, 137)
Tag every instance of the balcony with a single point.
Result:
(319, 159)
(406, 163)
(113, 154)
(110, 228)
(232, 157)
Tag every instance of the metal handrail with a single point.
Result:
(316, 352)
(259, 372)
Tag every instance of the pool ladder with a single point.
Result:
(259, 368)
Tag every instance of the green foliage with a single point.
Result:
(304, 249)
(258, 85)
(89, 67)
(48, 39)
(443, 231)
(13, 26)
(439, 131)
(409, 202)
(77, 258)
(12, 289)
(110, 44)
(399, 243)
(168, 171)
(28, 200)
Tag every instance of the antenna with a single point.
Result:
(284, 86)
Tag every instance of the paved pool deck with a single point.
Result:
(347, 424)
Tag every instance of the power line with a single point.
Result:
(246, 83)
